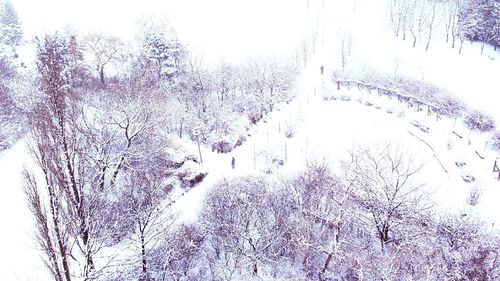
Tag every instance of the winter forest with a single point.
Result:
(250, 140)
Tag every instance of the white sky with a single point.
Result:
(228, 28)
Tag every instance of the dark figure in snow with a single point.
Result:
(321, 68)
(233, 163)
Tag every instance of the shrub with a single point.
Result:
(222, 146)
(289, 130)
(240, 141)
(496, 140)
(478, 121)
(474, 195)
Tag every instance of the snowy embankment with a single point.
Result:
(19, 258)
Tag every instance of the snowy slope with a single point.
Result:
(19, 257)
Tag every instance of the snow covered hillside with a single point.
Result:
(250, 140)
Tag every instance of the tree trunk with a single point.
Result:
(101, 74)
(325, 266)
(180, 130)
(143, 254)
(428, 41)
(62, 248)
(199, 148)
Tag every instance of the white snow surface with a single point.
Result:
(19, 257)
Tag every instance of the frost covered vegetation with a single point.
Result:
(110, 124)
(462, 20)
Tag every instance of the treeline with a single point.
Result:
(10, 38)
(218, 102)
(480, 21)
(420, 20)
(373, 219)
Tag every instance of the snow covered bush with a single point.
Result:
(222, 146)
(473, 197)
(190, 174)
(496, 140)
(178, 255)
(478, 121)
(289, 129)
(470, 250)
(430, 94)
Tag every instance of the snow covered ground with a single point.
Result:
(19, 257)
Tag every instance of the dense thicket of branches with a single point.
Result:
(421, 20)
(104, 143)
(10, 38)
(480, 20)
(373, 221)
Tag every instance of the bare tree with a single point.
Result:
(387, 186)
(104, 50)
(225, 80)
(450, 12)
(431, 20)
(147, 197)
(345, 48)
(417, 19)
(326, 221)
(245, 226)
(457, 6)
(80, 160)
(55, 149)
(399, 14)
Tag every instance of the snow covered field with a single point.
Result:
(321, 128)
